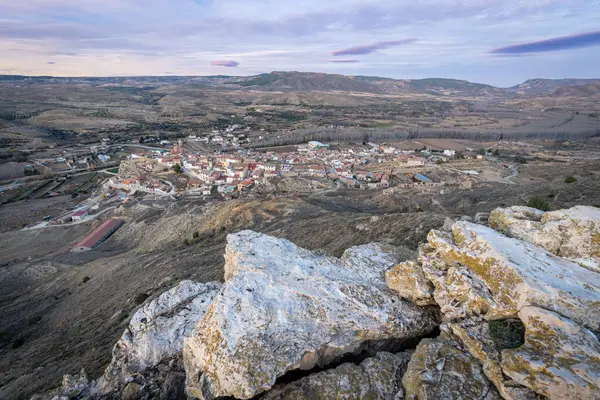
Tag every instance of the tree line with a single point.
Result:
(357, 134)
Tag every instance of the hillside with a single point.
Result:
(291, 81)
(588, 90)
(547, 86)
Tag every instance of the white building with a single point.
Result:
(449, 153)
(79, 215)
(415, 162)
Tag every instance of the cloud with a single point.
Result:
(148, 37)
(51, 62)
(224, 63)
(370, 48)
(555, 44)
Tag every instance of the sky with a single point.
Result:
(491, 41)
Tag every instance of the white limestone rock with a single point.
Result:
(378, 377)
(478, 271)
(157, 330)
(284, 308)
(573, 233)
(560, 359)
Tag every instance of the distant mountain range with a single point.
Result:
(310, 81)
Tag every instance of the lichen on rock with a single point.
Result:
(573, 233)
(476, 337)
(477, 270)
(408, 280)
(441, 368)
(559, 359)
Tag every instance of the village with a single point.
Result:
(365, 167)
(192, 169)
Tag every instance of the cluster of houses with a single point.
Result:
(242, 171)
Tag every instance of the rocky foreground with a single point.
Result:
(509, 311)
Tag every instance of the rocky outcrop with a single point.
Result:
(478, 271)
(378, 377)
(156, 331)
(73, 386)
(441, 369)
(284, 308)
(560, 359)
(522, 312)
(573, 233)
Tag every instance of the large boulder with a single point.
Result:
(156, 331)
(573, 233)
(378, 377)
(478, 271)
(560, 359)
(442, 369)
(284, 308)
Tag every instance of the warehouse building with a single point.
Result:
(98, 235)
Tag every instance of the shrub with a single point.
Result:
(140, 298)
(570, 179)
(196, 235)
(507, 334)
(539, 203)
(85, 279)
(521, 160)
(18, 343)
(4, 336)
(177, 168)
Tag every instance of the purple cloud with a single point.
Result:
(554, 44)
(370, 48)
(344, 61)
(224, 63)
(51, 62)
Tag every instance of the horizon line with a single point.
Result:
(264, 73)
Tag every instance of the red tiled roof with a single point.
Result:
(100, 233)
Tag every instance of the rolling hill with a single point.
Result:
(291, 81)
